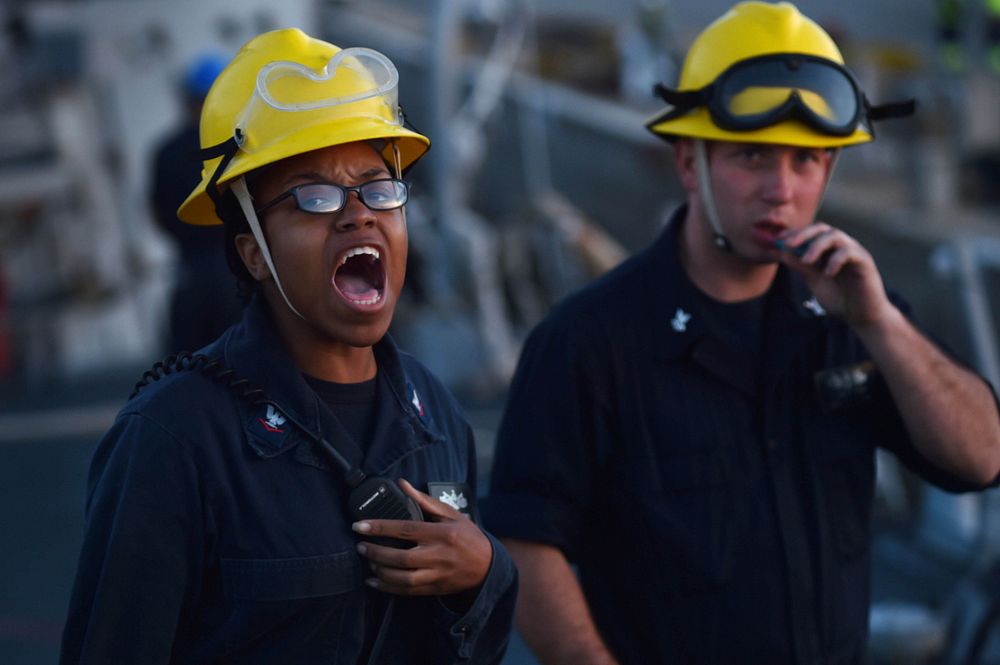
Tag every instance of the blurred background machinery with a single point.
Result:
(541, 177)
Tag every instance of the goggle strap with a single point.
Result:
(901, 109)
(688, 98)
(229, 146)
(681, 101)
(409, 125)
(407, 122)
(227, 149)
(246, 203)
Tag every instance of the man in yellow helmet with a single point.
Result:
(301, 491)
(696, 430)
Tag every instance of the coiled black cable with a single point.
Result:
(244, 390)
(210, 367)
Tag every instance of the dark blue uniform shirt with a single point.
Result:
(217, 533)
(717, 502)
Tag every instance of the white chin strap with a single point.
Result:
(834, 158)
(397, 162)
(708, 197)
(246, 203)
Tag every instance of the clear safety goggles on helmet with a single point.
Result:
(322, 198)
(289, 97)
(763, 91)
(294, 109)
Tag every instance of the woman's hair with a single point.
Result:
(235, 222)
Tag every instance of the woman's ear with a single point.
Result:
(252, 257)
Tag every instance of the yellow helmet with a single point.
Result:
(286, 93)
(764, 73)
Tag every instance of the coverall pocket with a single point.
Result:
(291, 579)
(287, 599)
(691, 523)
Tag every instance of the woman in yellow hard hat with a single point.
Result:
(696, 430)
(300, 491)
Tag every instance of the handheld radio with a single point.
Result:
(370, 497)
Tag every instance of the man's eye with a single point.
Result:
(811, 156)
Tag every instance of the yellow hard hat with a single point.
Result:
(764, 73)
(286, 93)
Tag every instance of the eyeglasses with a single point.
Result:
(322, 198)
(764, 91)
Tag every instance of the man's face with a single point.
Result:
(344, 270)
(760, 190)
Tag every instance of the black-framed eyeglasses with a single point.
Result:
(321, 198)
(766, 90)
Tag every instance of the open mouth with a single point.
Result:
(360, 277)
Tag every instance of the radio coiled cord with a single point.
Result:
(210, 367)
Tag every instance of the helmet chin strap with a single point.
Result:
(834, 158)
(707, 195)
(246, 203)
(397, 163)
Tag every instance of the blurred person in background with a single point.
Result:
(223, 504)
(205, 299)
(696, 430)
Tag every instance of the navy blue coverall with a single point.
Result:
(717, 502)
(217, 533)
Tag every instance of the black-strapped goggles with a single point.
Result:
(766, 90)
(322, 198)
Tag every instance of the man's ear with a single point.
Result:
(252, 257)
(684, 163)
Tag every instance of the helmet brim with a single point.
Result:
(199, 209)
(699, 124)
